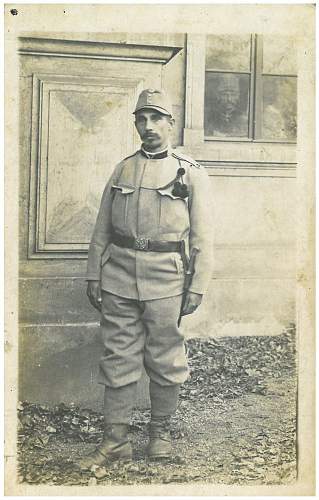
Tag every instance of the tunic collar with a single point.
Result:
(149, 174)
(155, 156)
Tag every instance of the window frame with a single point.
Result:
(255, 103)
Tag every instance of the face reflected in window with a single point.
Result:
(227, 98)
(226, 105)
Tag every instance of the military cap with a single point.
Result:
(154, 99)
(229, 83)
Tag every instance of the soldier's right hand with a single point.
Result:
(93, 291)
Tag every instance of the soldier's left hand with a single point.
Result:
(192, 301)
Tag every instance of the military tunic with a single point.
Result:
(142, 290)
(136, 202)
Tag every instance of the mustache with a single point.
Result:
(148, 135)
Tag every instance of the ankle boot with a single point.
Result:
(160, 445)
(114, 446)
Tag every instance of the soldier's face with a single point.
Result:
(154, 128)
(227, 102)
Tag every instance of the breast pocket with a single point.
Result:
(121, 204)
(173, 213)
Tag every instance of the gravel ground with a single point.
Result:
(235, 424)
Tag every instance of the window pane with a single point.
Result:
(279, 55)
(226, 105)
(228, 53)
(279, 108)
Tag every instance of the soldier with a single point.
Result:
(227, 117)
(155, 210)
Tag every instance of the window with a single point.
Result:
(250, 88)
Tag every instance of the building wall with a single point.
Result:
(253, 189)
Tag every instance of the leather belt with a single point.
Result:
(147, 245)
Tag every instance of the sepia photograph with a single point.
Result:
(164, 234)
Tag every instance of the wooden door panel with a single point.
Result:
(80, 109)
(85, 127)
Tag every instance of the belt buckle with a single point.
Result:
(141, 243)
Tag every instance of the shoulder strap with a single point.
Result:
(188, 159)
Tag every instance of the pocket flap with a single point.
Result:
(124, 189)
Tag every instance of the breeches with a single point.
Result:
(137, 333)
